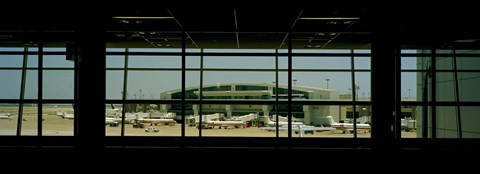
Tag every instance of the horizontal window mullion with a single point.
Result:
(439, 103)
(233, 55)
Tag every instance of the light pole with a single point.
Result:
(409, 93)
(294, 80)
(327, 82)
(356, 91)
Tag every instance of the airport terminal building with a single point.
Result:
(250, 91)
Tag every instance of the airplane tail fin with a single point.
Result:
(330, 120)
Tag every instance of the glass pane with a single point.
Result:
(408, 51)
(446, 122)
(410, 86)
(408, 123)
(56, 61)
(467, 51)
(321, 63)
(415, 63)
(468, 85)
(192, 84)
(12, 49)
(320, 51)
(239, 50)
(58, 84)
(115, 61)
(152, 120)
(8, 118)
(193, 50)
(413, 86)
(114, 84)
(240, 62)
(178, 50)
(154, 62)
(420, 118)
(30, 120)
(238, 85)
(444, 51)
(361, 51)
(444, 63)
(316, 116)
(10, 84)
(31, 85)
(58, 119)
(115, 49)
(445, 86)
(334, 121)
(51, 49)
(192, 61)
(362, 63)
(470, 121)
(363, 81)
(32, 61)
(468, 63)
(234, 120)
(313, 85)
(113, 119)
(282, 63)
(143, 85)
(14, 61)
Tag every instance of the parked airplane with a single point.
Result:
(225, 124)
(168, 121)
(267, 122)
(345, 127)
(299, 129)
(5, 116)
(65, 115)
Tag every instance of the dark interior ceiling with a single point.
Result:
(251, 28)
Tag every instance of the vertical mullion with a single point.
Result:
(22, 91)
(124, 94)
(425, 102)
(289, 101)
(200, 110)
(276, 93)
(434, 93)
(40, 88)
(457, 95)
(354, 89)
(183, 83)
(75, 88)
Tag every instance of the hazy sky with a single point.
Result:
(58, 84)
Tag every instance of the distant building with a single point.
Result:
(446, 116)
(257, 91)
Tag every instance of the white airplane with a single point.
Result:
(299, 129)
(345, 126)
(266, 121)
(5, 116)
(224, 124)
(168, 121)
